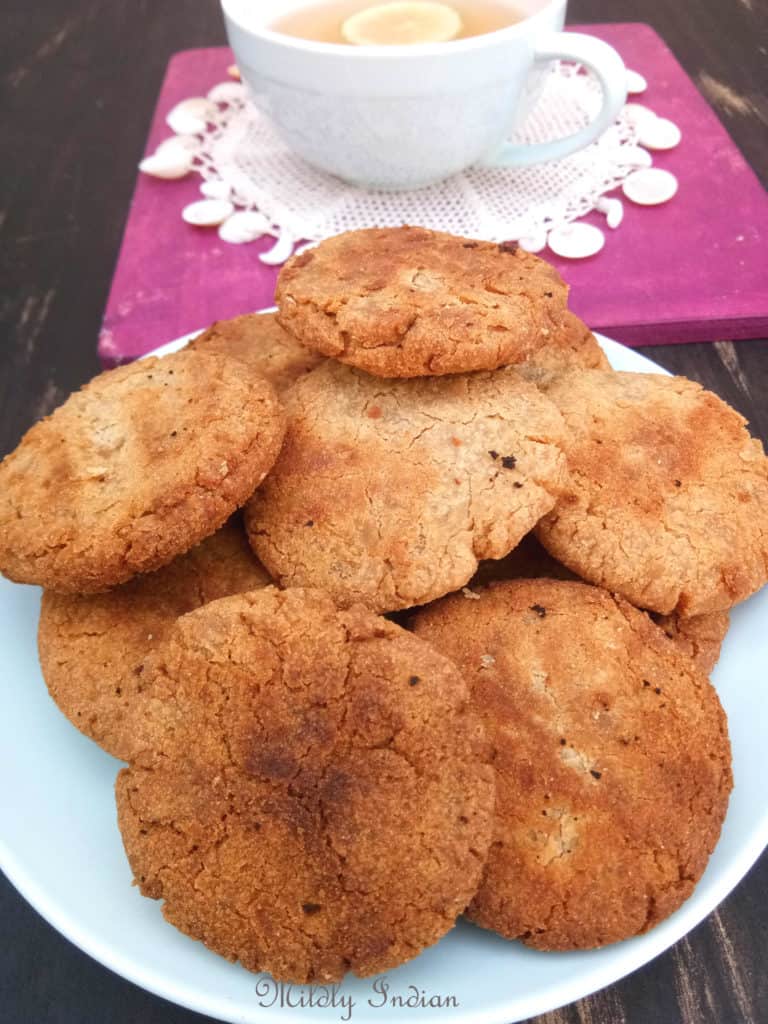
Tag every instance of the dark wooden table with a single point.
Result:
(79, 83)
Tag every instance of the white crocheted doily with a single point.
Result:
(245, 162)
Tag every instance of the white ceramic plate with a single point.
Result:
(60, 846)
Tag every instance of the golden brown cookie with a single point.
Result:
(93, 647)
(409, 302)
(136, 468)
(668, 499)
(612, 760)
(321, 799)
(389, 492)
(258, 340)
(571, 344)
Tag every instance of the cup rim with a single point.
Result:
(233, 10)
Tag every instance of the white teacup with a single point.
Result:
(401, 117)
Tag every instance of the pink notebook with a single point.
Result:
(694, 269)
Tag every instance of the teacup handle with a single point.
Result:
(609, 68)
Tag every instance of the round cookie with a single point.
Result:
(93, 647)
(571, 344)
(409, 302)
(258, 340)
(668, 497)
(389, 492)
(319, 799)
(612, 760)
(136, 468)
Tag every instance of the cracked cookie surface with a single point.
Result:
(389, 492)
(134, 469)
(699, 638)
(93, 647)
(570, 344)
(668, 496)
(258, 340)
(318, 798)
(611, 754)
(409, 302)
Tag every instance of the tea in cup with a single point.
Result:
(402, 115)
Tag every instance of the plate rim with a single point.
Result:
(626, 957)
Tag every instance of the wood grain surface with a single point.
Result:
(79, 81)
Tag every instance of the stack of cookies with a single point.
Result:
(423, 428)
